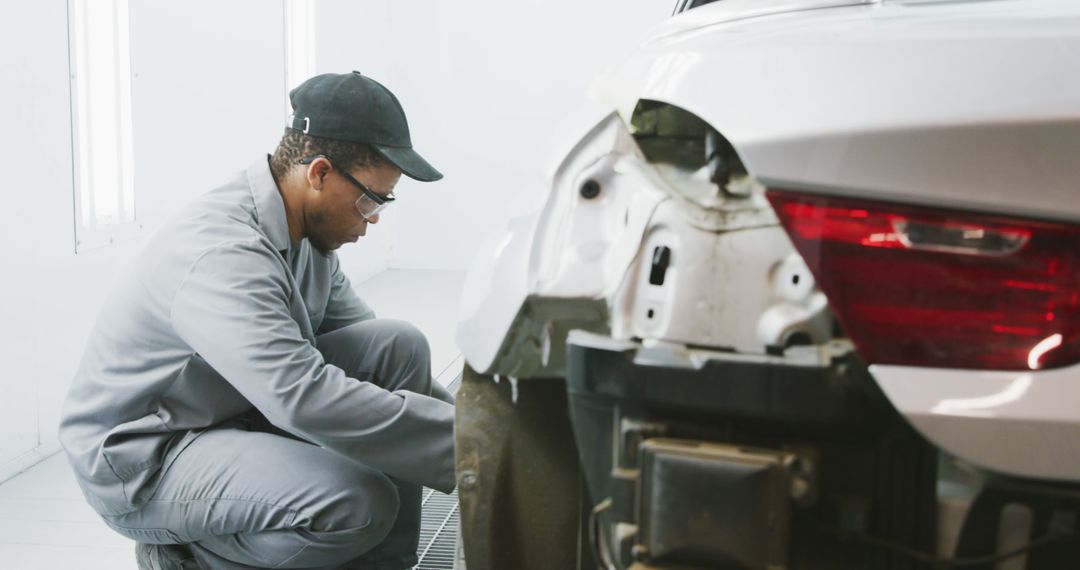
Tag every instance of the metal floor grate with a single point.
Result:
(439, 531)
(440, 519)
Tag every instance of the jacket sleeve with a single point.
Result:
(344, 306)
(233, 310)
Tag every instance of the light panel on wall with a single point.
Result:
(99, 35)
(299, 45)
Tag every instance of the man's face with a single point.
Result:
(331, 216)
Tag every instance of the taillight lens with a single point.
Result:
(927, 287)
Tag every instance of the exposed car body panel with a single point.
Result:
(576, 261)
(494, 291)
(586, 263)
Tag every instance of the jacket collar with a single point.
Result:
(269, 206)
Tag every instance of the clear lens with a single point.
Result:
(369, 207)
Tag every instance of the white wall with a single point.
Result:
(35, 163)
(483, 83)
(207, 101)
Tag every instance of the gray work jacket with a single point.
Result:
(214, 320)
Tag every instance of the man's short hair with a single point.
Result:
(296, 145)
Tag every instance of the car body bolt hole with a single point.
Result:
(590, 189)
(795, 279)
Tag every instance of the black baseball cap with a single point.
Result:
(351, 107)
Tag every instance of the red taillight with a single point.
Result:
(926, 287)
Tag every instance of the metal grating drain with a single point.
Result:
(440, 520)
(439, 531)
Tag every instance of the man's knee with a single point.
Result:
(343, 510)
(365, 512)
(409, 353)
(363, 500)
(395, 352)
(407, 338)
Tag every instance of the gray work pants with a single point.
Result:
(246, 495)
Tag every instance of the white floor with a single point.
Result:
(44, 522)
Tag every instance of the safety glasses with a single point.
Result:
(369, 203)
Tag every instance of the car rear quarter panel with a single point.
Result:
(969, 105)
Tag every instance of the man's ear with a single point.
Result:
(317, 171)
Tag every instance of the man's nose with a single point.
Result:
(374, 219)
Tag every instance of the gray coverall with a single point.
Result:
(236, 395)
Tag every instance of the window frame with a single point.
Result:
(300, 52)
(90, 232)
